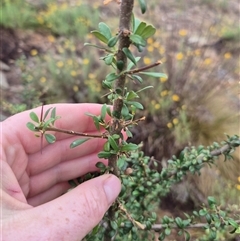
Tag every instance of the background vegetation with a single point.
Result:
(198, 43)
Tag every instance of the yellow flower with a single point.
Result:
(184, 107)
(153, 102)
(146, 60)
(157, 106)
(59, 64)
(29, 78)
(163, 79)
(33, 52)
(150, 48)
(40, 19)
(43, 79)
(91, 76)
(149, 40)
(179, 56)
(70, 62)
(197, 52)
(239, 178)
(182, 32)
(164, 93)
(238, 186)
(85, 61)
(75, 88)
(51, 39)
(73, 73)
(175, 121)
(156, 45)
(169, 125)
(175, 98)
(228, 55)
(161, 50)
(207, 61)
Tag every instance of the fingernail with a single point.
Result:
(112, 188)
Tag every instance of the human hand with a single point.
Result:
(32, 183)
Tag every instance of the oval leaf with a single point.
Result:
(137, 78)
(103, 111)
(100, 36)
(113, 143)
(129, 55)
(34, 117)
(105, 30)
(31, 126)
(110, 77)
(143, 6)
(78, 142)
(46, 113)
(112, 41)
(154, 74)
(50, 138)
(148, 32)
(109, 59)
(136, 104)
(140, 28)
(129, 147)
(104, 154)
(137, 40)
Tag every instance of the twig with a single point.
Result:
(70, 132)
(133, 71)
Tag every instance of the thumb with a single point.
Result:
(73, 215)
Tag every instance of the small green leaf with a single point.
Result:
(53, 113)
(167, 231)
(96, 46)
(148, 32)
(202, 212)
(129, 133)
(104, 154)
(179, 222)
(233, 223)
(136, 104)
(187, 235)
(129, 55)
(103, 111)
(113, 143)
(143, 6)
(112, 41)
(48, 123)
(100, 36)
(96, 122)
(131, 95)
(50, 138)
(145, 88)
(105, 30)
(137, 78)
(31, 126)
(78, 142)
(106, 147)
(46, 114)
(125, 111)
(211, 201)
(131, 64)
(109, 111)
(137, 40)
(154, 74)
(110, 77)
(109, 59)
(140, 28)
(129, 147)
(34, 117)
(120, 65)
(100, 165)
